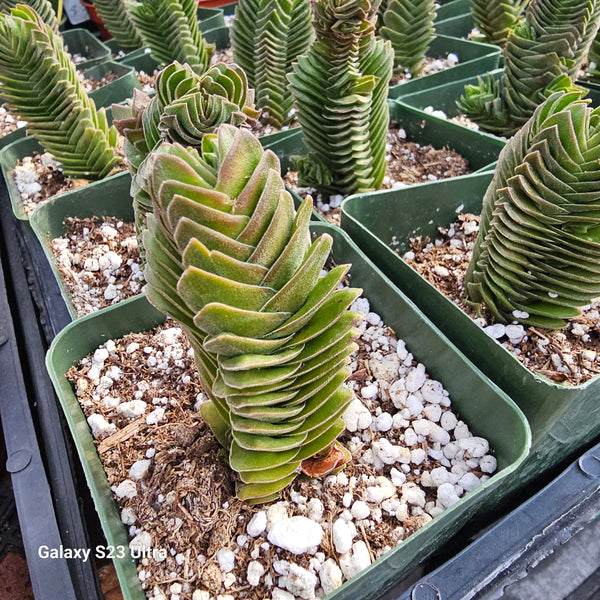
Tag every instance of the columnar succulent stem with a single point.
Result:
(42, 7)
(170, 29)
(408, 24)
(537, 255)
(496, 18)
(186, 107)
(542, 53)
(39, 82)
(229, 258)
(117, 22)
(340, 86)
(266, 37)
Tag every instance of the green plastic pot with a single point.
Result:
(488, 411)
(9, 157)
(480, 149)
(459, 25)
(142, 59)
(209, 18)
(108, 198)
(562, 419)
(444, 97)
(452, 9)
(116, 91)
(11, 137)
(81, 41)
(475, 59)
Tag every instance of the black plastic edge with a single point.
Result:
(50, 578)
(54, 455)
(522, 539)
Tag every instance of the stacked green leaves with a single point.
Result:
(542, 54)
(39, 82)
(185, 107)
(170, 29)
(117, 22)
(42, 7)
(593, 66)
(408, 24)
(340, 86)
(537, 256)
(496, 18)
(266, 37)
(230, 259)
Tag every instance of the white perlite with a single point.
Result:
(254, 573)
(406, 428)
(342, 536)
(139, 469)
(355, 561)
(296, 535)
(301, 582)
(257, 524)
(226, 560)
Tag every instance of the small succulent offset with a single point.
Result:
(543, 53)
(266, 37)
(230, 259)
(170, 29)
(39, 83)
(408, 24)
(186, 106)
(496, 18)
(116, 20)
(42, 7)
(537, 255)
(340, 86)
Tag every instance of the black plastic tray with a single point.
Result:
(510, 551)
(50, 504)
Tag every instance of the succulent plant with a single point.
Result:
(266, 37)
(170, 29)
(542, 53)
(340, 86)
(230, 259)
(496, 18)
(42, 7)
(593, 66)
(186, 107)
(537, 255)
(408, 24)
(118, 23)
(39, 82)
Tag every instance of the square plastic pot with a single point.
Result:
(81, 41)
(480, 149)
(521, 540)
(459, 25)
(208, 18)
(117, 90)
(562, 418)
(452, 9)
(11, 137)
(9, 157)
(475, 59)
(106, 198)
(488, 412)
